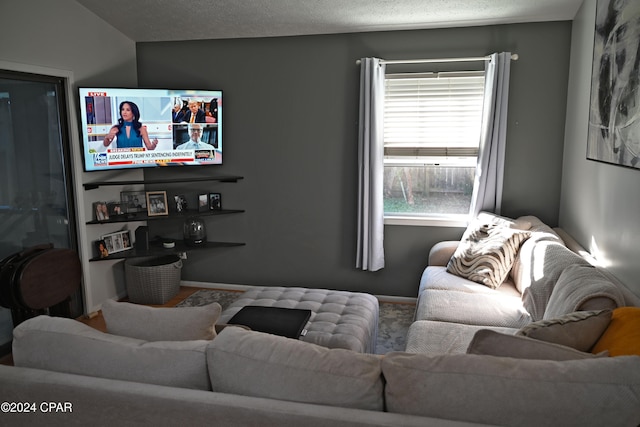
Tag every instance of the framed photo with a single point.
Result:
(180, 203)
(100, 211)
(133, 201)
(115, 242)
(157, 203)
(114, 209)
(215, 201)
(203, 202)
(103, 252)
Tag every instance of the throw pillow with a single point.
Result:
(66, 345)
(622, 337)
(579, 330)
(492, 343)
(486, 254)
(161, 323)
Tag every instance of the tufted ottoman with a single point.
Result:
(339, 319)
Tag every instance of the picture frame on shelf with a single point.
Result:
(203, 202)
(133, 201)
(114, 209)
(180, 202)
(215, 201)
(157, 203)
(116, 242)
(100, 211)
(103, 251)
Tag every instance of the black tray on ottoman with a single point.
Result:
(287, 322)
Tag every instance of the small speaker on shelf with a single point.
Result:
(142, 238)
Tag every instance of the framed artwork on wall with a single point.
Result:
(614, 112)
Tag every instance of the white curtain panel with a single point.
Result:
(487, 191)
(370, 250)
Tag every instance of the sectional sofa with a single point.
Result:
(548, 276)
(70, 374)
(168, 366)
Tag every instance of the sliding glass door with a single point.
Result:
(36, 200)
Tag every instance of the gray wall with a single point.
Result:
(64, 39)
(600, 203)
(290, 128)
(62, 34)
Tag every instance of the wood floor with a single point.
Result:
(96, 321)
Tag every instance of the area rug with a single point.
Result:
(393, 324)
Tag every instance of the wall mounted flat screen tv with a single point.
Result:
(134, 128)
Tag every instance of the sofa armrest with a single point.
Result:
(441, 252)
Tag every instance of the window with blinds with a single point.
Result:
(431, 138)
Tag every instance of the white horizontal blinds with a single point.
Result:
(433, 114)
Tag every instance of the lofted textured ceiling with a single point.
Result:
(170, 20)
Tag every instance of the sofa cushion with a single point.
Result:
(579, 330)
(541, 266)
(437, 277)
(508, 391)
(435, 338)
(494, 343)
(486, 309)
(582, 287)
(66, 345)
(486, 254)
(256, 364)
(161, 323)
(622, 336)
(539, 230)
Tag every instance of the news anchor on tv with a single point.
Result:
(129, 132)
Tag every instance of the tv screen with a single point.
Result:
(133, 128)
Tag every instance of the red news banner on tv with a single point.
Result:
(131, 128)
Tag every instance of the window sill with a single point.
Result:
(428, 221)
